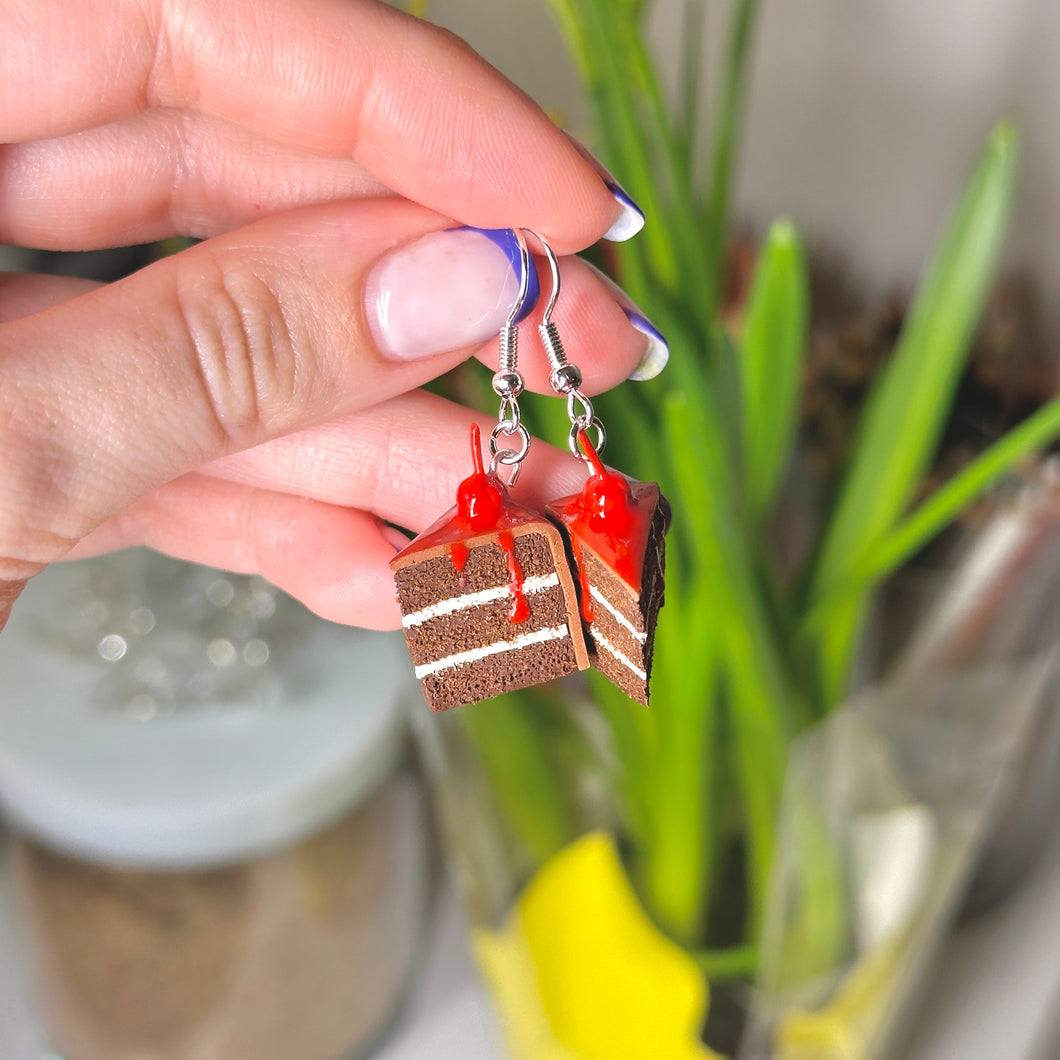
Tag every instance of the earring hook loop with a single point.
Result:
(566, 378)
(524, 280)
(508, 383)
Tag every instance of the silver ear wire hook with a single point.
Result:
(508, 383)
(566, 378)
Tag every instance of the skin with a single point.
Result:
(228, 405)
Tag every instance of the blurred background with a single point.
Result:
(860, 120)
(860, 123)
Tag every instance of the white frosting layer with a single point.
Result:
(536, 584)
(527, 640)
(624, 659)
(622, 620)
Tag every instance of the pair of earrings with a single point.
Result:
(495, 596)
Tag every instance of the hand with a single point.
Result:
(252, 402)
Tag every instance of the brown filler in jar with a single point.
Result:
(296, 955)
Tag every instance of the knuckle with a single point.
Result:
(245, 347)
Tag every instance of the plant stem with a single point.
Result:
(519, 766)
(754, 682)
(720, 966)
(691, 83)
(676, 870)
(723, 153)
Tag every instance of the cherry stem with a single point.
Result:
(591, 454)
(476, 449)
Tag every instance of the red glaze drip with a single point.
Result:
(605, 506)
(588, 611)
(458, 553)
(520, 609)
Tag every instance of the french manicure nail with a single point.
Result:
(631, 220)
(445, 291)
(658, 351)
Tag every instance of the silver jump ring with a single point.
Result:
(576, 429)
(507, 430)
(508, 457)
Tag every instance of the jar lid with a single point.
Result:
(102, 769)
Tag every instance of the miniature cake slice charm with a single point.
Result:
(616, 529)
(487, 598)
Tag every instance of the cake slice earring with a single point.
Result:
(615, 529)
(487, 599)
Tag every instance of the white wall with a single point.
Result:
(864, 114)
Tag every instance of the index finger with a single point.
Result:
(346, 78)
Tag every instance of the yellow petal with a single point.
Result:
(581, 973)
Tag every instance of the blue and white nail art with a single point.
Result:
(630, 221)
(658, 351)
(506, 239)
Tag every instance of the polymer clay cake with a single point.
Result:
(487, 597)
(616, 529)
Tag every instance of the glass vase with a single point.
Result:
(216, 842)
(923, 784)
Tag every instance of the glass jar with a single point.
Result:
(216, 847)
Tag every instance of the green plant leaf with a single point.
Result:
(693, 18)
(910, 403)
(758, 702)
(946, 503)
(724, 379)
(774, 338)
(676, 872)
(723, 149)
(520, 767)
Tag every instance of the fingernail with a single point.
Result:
(445, 291)
(658, 351)
(631, 219)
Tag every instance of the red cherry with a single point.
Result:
(480, 497)
(606, 499)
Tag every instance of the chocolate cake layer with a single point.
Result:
(617, 637)
(457, 598)
(620, 638)
(461, 630)
(504, 672)
(622, 656)
(428, 577)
